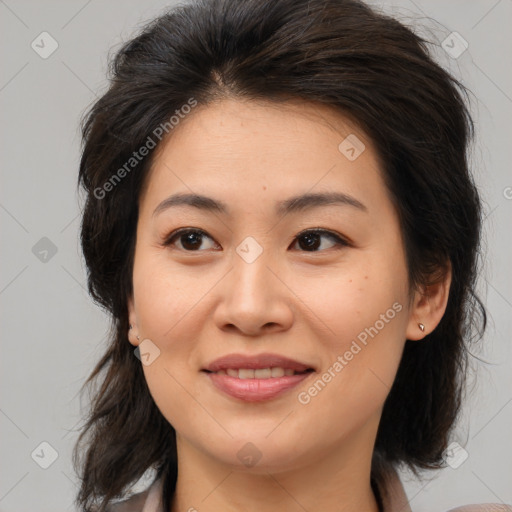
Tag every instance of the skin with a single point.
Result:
(308, 305)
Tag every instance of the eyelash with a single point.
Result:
(338, 239)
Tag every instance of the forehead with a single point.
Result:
(292, 124)
(243, 151)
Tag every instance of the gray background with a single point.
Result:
(52, 334)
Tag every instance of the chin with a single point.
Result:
(257, 454)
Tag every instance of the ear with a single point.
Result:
(132, 318)
(429, 305)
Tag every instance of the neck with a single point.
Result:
(338, 480)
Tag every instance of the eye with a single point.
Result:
(190, 239)
(310, 240)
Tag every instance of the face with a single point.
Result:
(309, 297)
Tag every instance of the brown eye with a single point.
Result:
(311, 240)
(188, 239)
(191, 240)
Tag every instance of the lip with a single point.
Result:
(256, 362)
(255, 390)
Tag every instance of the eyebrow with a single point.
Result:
(294, 204)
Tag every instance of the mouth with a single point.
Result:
(260, 373)
(256, 378)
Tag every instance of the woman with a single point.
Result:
(281, 222)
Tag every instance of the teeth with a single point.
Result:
(246, 374)
(261, 373)
(277, 372)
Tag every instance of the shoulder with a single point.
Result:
(396, 499)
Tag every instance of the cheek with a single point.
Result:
(362, 313)
(164, 297)
(169, 312)
(181, 405)
(355, 299)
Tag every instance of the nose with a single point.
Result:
(254, 299)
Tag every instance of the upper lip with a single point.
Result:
(255, 362)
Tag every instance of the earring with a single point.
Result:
(422, 327)
(138, 338)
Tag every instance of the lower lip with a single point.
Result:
(255, 390)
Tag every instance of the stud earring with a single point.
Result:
(422, 327)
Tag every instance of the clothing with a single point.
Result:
(396, 501)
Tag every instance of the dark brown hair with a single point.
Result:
(339, 53)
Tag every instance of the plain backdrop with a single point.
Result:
(52, 333)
